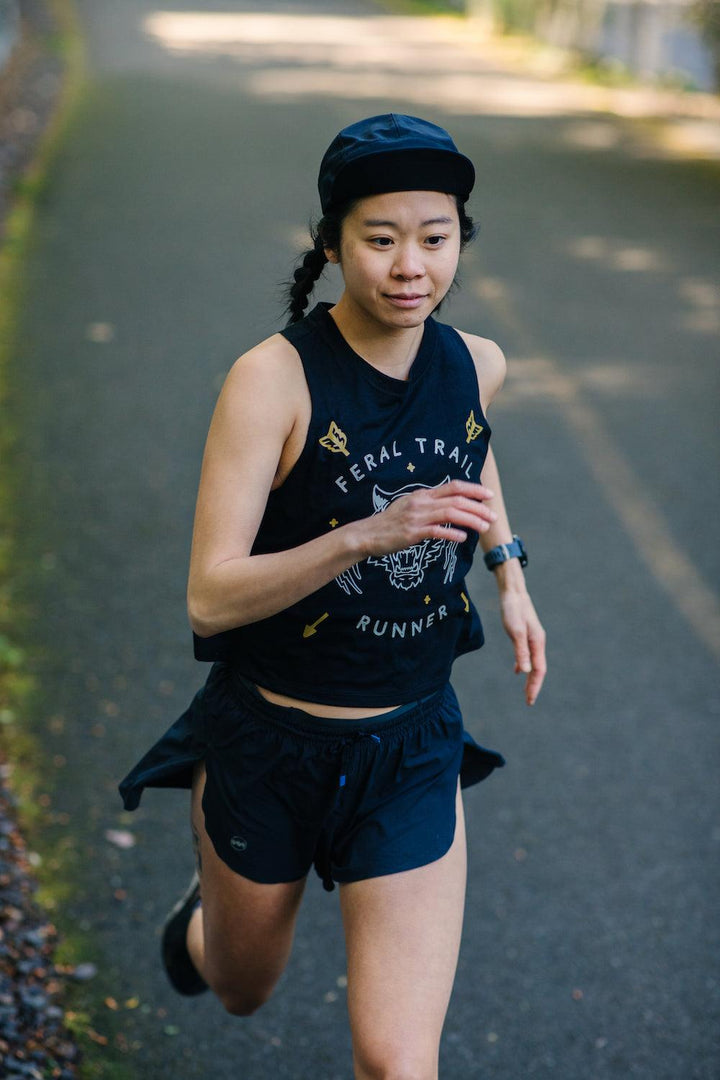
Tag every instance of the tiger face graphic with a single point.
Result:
(406, 568)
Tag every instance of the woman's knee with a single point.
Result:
(394, 1063)
(243, 982)
(241, 1001)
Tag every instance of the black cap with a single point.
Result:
(392, 153)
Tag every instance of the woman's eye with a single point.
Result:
(381, 241)
(434, 241)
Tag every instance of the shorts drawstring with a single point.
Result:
(348, 748)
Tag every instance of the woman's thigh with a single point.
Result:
(403, 938)
(248, 927)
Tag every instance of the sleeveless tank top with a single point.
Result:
(385, 631)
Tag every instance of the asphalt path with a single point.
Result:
(175, 207)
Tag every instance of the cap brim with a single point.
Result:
(401, 170)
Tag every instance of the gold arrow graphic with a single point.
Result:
(311, 628)
(466, 602)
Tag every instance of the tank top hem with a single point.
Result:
(390, 694)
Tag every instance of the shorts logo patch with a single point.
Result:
(238, 844)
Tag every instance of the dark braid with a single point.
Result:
(304, 278)
(327, 235)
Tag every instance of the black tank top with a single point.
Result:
(387, 630)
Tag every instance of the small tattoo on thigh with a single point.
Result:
(196, 849)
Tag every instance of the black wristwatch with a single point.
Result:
(500, 554)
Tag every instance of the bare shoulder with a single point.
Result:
(262, 415)
(272, 365)
(266, 380)
(490, 365)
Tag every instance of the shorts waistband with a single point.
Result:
(294, 719)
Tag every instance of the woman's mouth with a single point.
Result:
(405, 300)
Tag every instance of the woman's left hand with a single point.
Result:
(528, 637)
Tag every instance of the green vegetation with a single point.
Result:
(54, 847)
(706, 14)
(422, 7)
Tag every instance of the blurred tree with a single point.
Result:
(706, 14)
(9, 29)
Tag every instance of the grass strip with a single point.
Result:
(54, 849)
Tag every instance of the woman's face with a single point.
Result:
(398, 255)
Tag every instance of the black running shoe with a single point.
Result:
(181, 971)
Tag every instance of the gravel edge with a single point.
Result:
(34, 1041)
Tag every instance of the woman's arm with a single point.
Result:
(518, 614)
(255, 436)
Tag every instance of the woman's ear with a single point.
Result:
(331, 255)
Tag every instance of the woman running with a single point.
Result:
(346, 480)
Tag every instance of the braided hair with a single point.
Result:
(326, 234)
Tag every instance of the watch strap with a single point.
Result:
(500, 554)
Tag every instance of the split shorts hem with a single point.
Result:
(286, 790)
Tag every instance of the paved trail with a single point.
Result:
(177, 203)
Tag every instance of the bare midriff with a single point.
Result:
(333, 712)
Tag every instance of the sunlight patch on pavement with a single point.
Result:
(443, 61)
(617, 254)
(535, 379)
(592, 135)
(673, 570)
(692, 137)
(203, 29)
(389, 57)
(703, 298)
(473, 93)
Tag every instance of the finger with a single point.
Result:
(470, 506)
(463, 487)
(447, 514)
(535, 679)
(468, 514)
(444, 532)
(533, 685)
(523, 663)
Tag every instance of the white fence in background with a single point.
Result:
(653, 38)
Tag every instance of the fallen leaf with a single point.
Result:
(100, 332)
(121, 838)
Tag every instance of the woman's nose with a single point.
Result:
(408, 263)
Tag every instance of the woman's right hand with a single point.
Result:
(440, 513)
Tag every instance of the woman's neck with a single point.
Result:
(391, 350)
